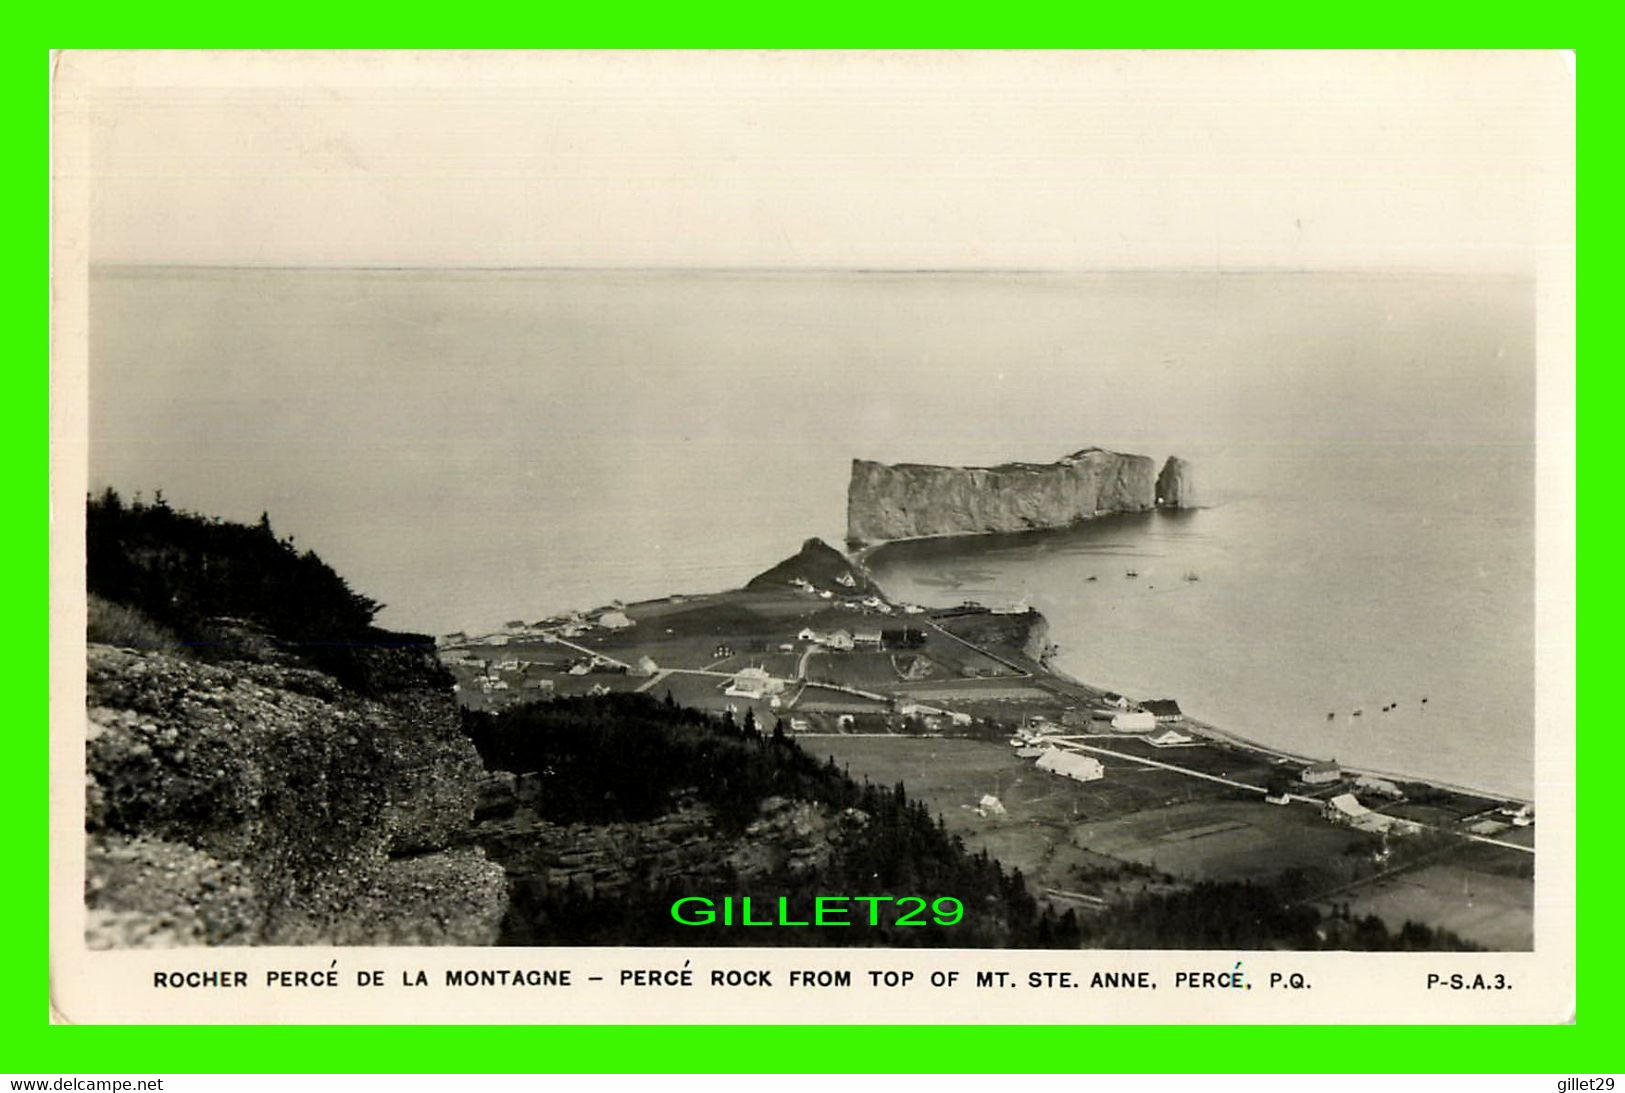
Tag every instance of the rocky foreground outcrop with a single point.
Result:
(910, 500)
(264, 803)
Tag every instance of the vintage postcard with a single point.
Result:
(873, 537)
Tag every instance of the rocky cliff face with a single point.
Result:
(264, 803)
(1175, 489)
(908, 500)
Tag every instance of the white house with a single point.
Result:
(1083, 768)
(614, 620)
(1168, 738)
(1523, 815)
(1346, 808)
(807, 633)
(1133, 721)
(753, 683)
(1382, 787)
(990, 805)
(1165, 710)
(839, 639)
(1322, 773)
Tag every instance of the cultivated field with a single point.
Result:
(1222, 839)
(1495, 911)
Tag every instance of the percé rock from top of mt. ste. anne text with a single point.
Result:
(911, 500)
(1175, 489)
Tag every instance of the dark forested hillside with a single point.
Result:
(628, 757)
(189, 574)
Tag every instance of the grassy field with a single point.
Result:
(951, 776)
(1161, 819)
(1495, 911)
(1047, 816)
(1080, 836)
(1222, 839)
(823, 699)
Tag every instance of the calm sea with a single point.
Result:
(472, 447)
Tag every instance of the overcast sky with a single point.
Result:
(1041, 161)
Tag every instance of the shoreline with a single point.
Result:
(859, 550)
(1210, 730)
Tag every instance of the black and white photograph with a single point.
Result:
(1065, 503)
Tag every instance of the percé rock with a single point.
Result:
(911, 500)
(256, 803)
(1174, 487)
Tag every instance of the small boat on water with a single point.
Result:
(1091, 577)
(1192, 577)
(1131, 573)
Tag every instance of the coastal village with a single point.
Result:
(1083, 789)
